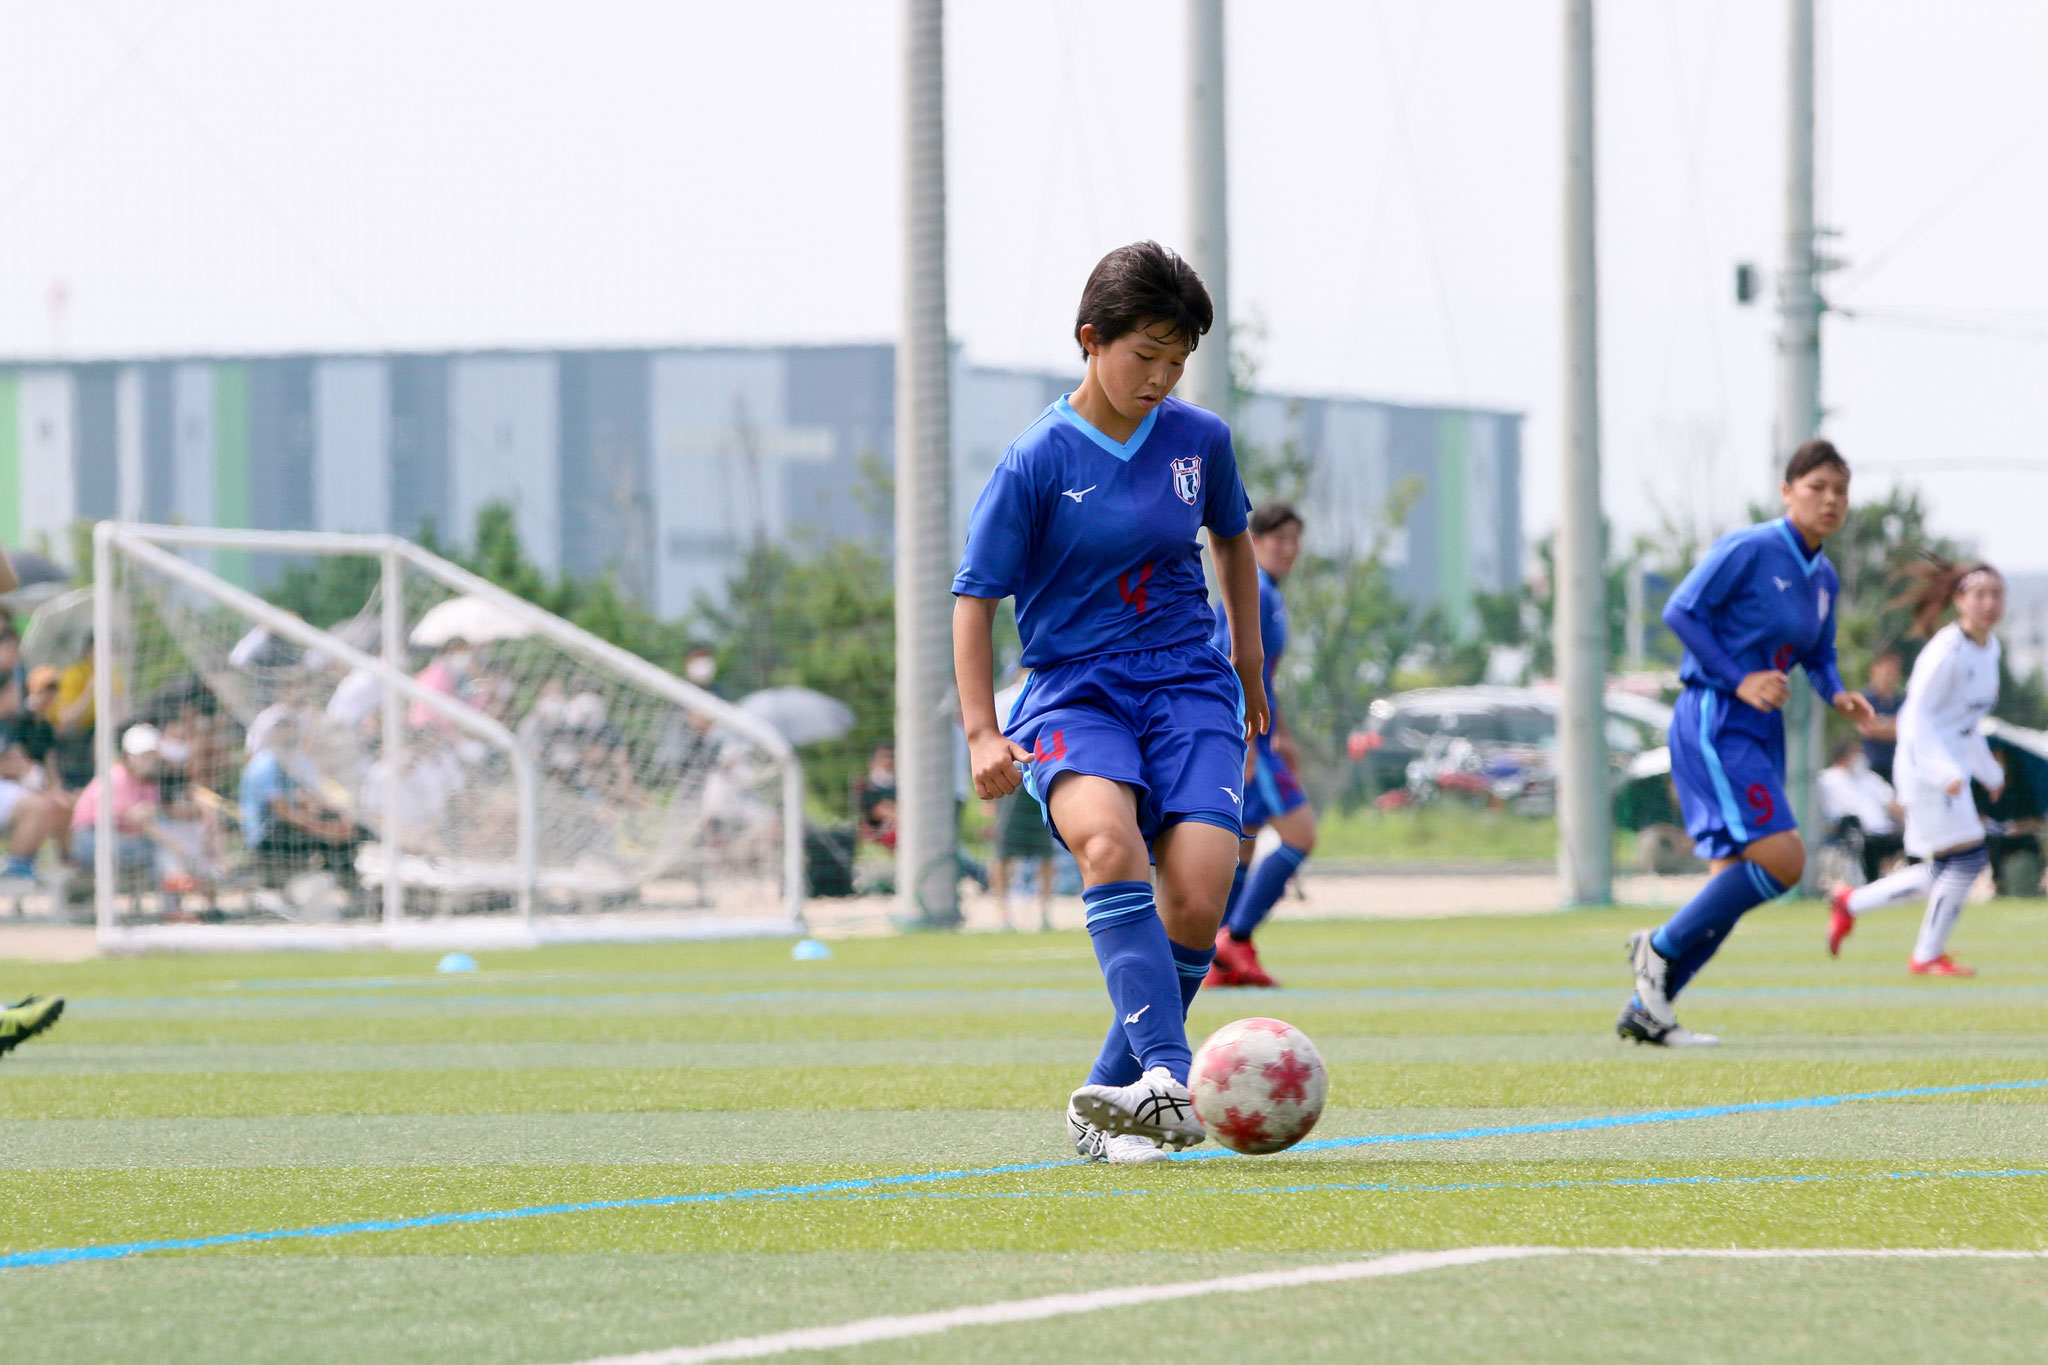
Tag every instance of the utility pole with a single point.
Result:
(1208, 244)
(926, 824)
(1585, 829)
(1799, 309)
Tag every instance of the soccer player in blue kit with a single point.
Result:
(1272, 793)
(1762, 600)
(1131, 730)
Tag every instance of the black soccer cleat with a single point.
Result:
(1636, 1023)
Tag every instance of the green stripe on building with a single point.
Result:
(1454, 519)
(231, 465)
(10, 461)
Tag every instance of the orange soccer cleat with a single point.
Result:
(1940, 966)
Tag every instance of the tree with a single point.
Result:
(826, 622)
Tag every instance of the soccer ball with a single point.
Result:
(1259, 1085)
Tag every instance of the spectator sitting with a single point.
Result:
(1851, 793)
(38, 736)
(135, 798)
(28, 817)
(72, 717)
(285, 825)
(448, 674)
(13, 678)
(187, 828)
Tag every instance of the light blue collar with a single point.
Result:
(1124, 450)
(1809, 562)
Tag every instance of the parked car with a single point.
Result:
(1498, 743)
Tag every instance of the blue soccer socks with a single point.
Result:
(1262, 890)
(1692, 936)
(1144, 979)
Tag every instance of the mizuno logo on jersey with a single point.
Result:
(1187, 478)
(1783, 583)
(1077, 496)
(1235, 799)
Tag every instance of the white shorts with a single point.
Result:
(1936, 821)
(10, 797)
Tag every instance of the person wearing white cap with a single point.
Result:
(133, 787)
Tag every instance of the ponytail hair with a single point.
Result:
(1932, 582)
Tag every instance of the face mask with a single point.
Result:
(175, 751)
(700, 671)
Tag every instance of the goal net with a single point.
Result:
(442, 763)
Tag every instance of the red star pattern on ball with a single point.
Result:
(1242, 1132)
(1288, 1079)
(1220, 1064)
(1279, 1028)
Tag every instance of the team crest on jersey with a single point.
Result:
(1823, 604)
(1187, 478)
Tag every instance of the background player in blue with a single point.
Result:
(1272, 795)
(1131, 728)
(1762, 600)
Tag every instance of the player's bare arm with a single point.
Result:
(1238, 573)
(991, 758)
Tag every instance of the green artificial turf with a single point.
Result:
(201, 1096)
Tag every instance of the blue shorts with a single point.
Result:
(1728, 763)
(1167, 722)
(1273, 790)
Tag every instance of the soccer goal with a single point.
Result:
(440, 765)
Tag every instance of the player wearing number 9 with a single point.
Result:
(1761, 601)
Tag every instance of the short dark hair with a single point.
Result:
(1812, 456)
(1140, 283)
(1269, 517)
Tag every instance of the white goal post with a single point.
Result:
(532, 783)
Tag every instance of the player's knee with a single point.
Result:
(1103, 853)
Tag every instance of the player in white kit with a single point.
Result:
(1941, 748)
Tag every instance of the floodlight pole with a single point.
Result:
(1799, 411)
(1208, 243)
(927, 822)
(1585, 844)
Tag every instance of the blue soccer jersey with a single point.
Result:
(1095, 538)
(1759, 600)
(1272, 633)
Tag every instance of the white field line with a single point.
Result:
(869, 1330)
(1061, 1305)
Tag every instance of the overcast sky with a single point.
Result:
(243, 175)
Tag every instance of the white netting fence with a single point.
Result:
(444, 753)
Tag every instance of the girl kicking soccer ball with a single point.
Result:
(1762, 600)
(1131, 730)
(1941, 747)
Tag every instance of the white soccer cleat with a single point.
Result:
(1155, 1107)
(1653, 971)
(1118, 1149)
(1678, 1035)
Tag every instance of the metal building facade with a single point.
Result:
(661, 466)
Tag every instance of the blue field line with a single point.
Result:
(1709, 1111)
(1390, 1187)
(447, 998)
(121, 1250)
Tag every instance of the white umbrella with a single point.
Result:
(40, 581)
(467, 618)
(800, 715)
(57, 633)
